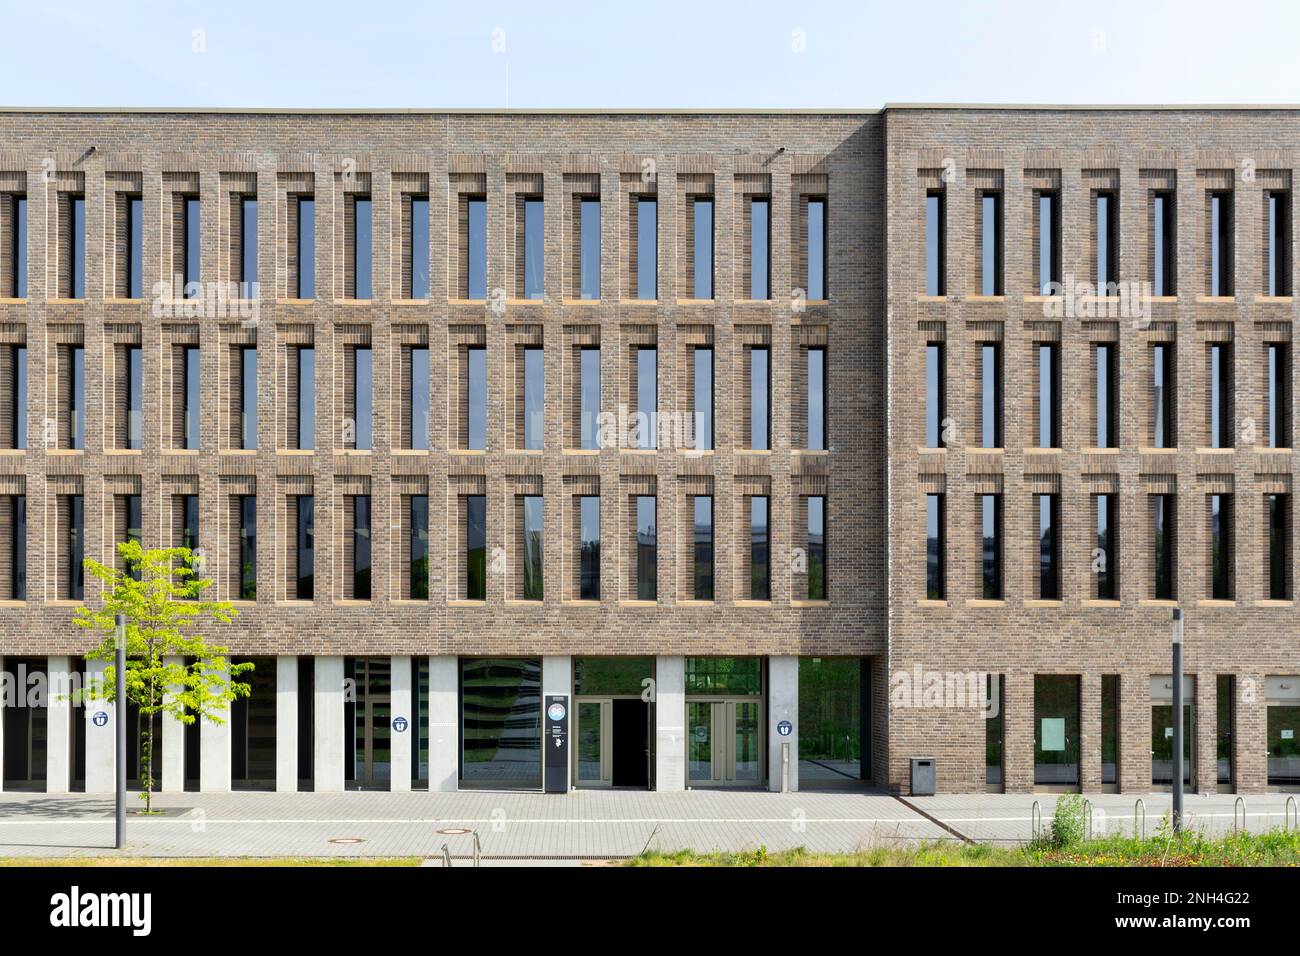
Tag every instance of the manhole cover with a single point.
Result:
(347, 840)
(453, 831)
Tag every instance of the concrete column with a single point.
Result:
(286, 724)
(214, 753)
(58, 767)
(444, 723)
(327, 735)
(400, 752)
(100, 749)
(173, 744)
(670, 723)
(782, 705)
(557, 678)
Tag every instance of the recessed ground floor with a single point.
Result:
(441, 723)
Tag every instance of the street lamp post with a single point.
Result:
(119, 716)
(1176, 641)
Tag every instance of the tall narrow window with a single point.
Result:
(419, 398)
(247, 547)
(77, 397)
(363, 245)
(135, 248)
(1221, 547)
(1106, 383)
(193, 251)
(361, 547)
(419, 247)
(590, 397)
(934, 243)
(534, 259)
(818, 586)
(18, 238)
(534, 397)
(133, 531)
(418, 568)
(306, 398)
(306, 565)
(1279, 546)
(1279, 244)
(248, 247)
(759, 246)
(476, 248)
(816, 399)
(1105, 557)
(991, 396)
(134, 396)
(533, 554)
(991, 243)
(1163, 540)
(647, 548)
(1279, 394)
(703, 543)
(647, 397)
(1162, 360)
(589, 265)
(190, 528)
(1049, 548)
(703, 248)
(19, 396)
(190, 393)
(363, 397)
(934, 548)
(475, 547)
(703, 423)
(647, 248)
(1107, 227)
(1163, 245)
(934, 395)
(994, 731)
(759, 398)
(589, 559)
(760, 578)
(1225, 699)
(248, 397)
(1049, 397)
(76, 548)
(1221, 425)
(77, 262)
(18, 570)
(1221, 251)
(1109, 728)
(477, 396)
(991, 536)
(1049, 244)
(306, 247)
(816, 249)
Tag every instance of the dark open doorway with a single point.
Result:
(631, 743)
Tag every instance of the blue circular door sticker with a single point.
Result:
(784, 728)
(400, 724)
(99, 718)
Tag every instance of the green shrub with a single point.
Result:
(1068, 821)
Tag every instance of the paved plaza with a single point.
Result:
(583, 825)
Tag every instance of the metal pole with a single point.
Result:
(119, 715)
(1177, 643)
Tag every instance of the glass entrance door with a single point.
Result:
(724, 742)
(372, 766)
(1162, 745)
(592, 733)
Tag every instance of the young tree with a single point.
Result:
(159, 594)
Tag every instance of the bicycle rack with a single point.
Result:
(1036, 821)
(446, 855)
(1087, 809)
(478, 849)
(1239, 802)
(1290, 811)
(1140, 805)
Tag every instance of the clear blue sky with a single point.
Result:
(647, 54)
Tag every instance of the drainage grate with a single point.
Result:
(347, 840)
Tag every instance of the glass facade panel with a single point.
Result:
(1056, 729)
(501, 723)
